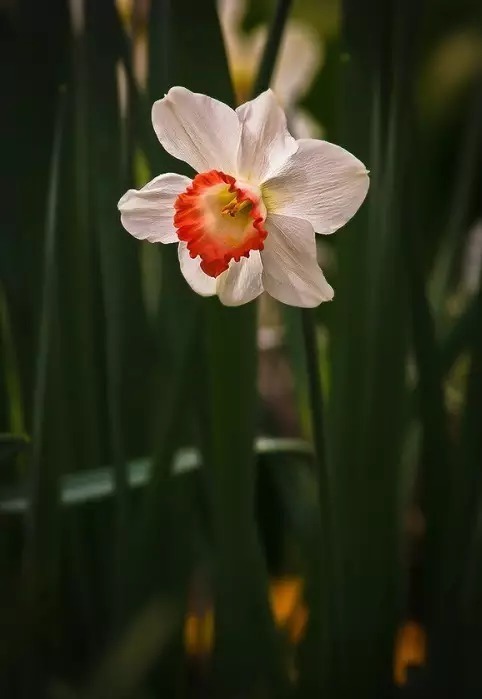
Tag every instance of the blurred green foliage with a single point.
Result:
(112, 534)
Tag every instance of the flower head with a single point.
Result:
(246, 222)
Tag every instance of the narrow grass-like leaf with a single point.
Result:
(162, 563)
(293, 338)
(470, 522)
(449, 483)
(127, 664)
(436, 452)
(11, 379)
(33, 65)
(369, 353)
(469, 491)
(107, 165)
(318, 648)
(454, 663)
(457, 339)
(462, 514)
(271, 50)
(50, 452)
(126, 346)
(244, 656)
(43, 516)
(79, 283)
(464, 185)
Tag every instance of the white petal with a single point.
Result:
(231, 13)
(195, 128)
(321, 182)
(241, 283)
(148, 213)
(202, 283)
(299, 60)
(266, 143)
(290, 270)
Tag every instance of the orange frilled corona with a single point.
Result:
(220, 219)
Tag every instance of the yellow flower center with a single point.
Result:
(235, 207)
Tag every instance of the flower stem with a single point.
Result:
(271, 50)
(316, 393)
(319, 652)
(318, 422)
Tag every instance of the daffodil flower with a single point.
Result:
(246, 222)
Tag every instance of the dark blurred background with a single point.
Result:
(198, 501)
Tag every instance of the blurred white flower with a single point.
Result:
(450, 67)
(134, 17)
(77, 16)
(246, 222)
(472, 263)
(300, 58)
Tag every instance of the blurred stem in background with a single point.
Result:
(16, 420)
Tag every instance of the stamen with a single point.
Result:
(235, 206)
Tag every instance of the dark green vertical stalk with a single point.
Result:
(32, 56)
(317, 656)
(316, 396)
(43, 514)
(163, 547)
(106, 169)
(270, 53)
(160, 47)
(436, 447)
(436, 474)
(465, 611)
(128, 359)
(460, 202)
(50, 451)
(79, 280)
(471, 437)
(15, 410)
(369, 350)
(245, 652)
(467, 495)
(460, 513)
